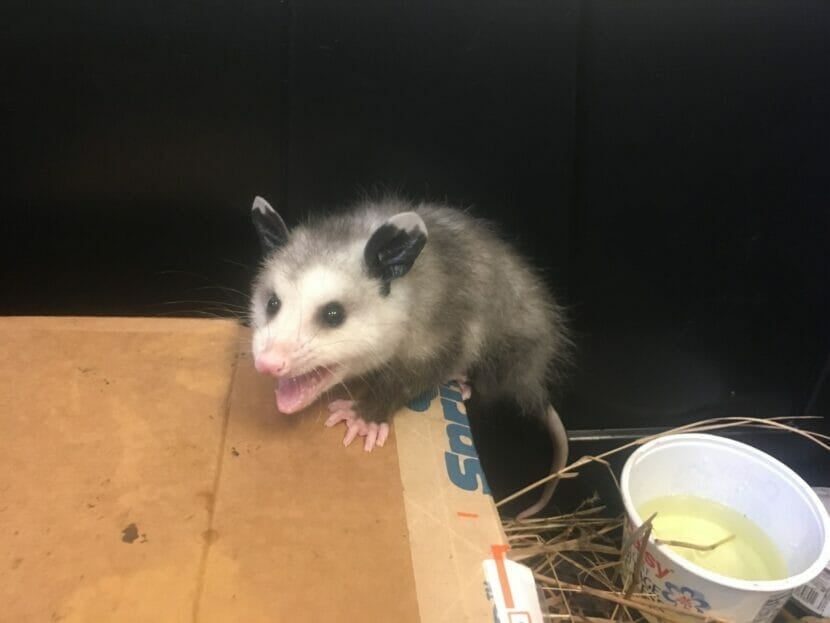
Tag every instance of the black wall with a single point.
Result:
(666, 163)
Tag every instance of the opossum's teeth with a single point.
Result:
(297, 392)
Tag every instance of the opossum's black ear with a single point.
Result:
(394, 246)
(269, 226)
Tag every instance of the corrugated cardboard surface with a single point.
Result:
(145, 476)
(452, 523)
(304, 528)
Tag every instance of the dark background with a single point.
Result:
(665, 163)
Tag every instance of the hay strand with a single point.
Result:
(700, 548)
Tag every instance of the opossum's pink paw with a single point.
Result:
(463, 384)
(341, 411)
(375, 433)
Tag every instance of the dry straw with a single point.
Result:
(576, 557)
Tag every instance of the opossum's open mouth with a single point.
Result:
(297, 392)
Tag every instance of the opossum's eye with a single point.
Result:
(272, 306)
(332, 314)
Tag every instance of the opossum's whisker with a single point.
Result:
(219, 304)
(235, 263)
(194, 312)
(245, 295)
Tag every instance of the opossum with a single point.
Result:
(389, 299)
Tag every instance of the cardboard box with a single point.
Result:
(146, 476)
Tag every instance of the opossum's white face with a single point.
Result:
(315, 328)
(330, 318)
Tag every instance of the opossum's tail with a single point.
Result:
(559, 439)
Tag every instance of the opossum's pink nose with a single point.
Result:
(274, 361)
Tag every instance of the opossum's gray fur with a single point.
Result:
(474, 305)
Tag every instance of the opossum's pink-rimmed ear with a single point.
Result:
(269, 226)
(394, 246)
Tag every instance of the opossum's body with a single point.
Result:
(362, 300)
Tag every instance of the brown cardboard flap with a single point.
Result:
(452, 519)
(145, 475)
(109, 440)
(305, 529)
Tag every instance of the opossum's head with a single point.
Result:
(330, 303)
